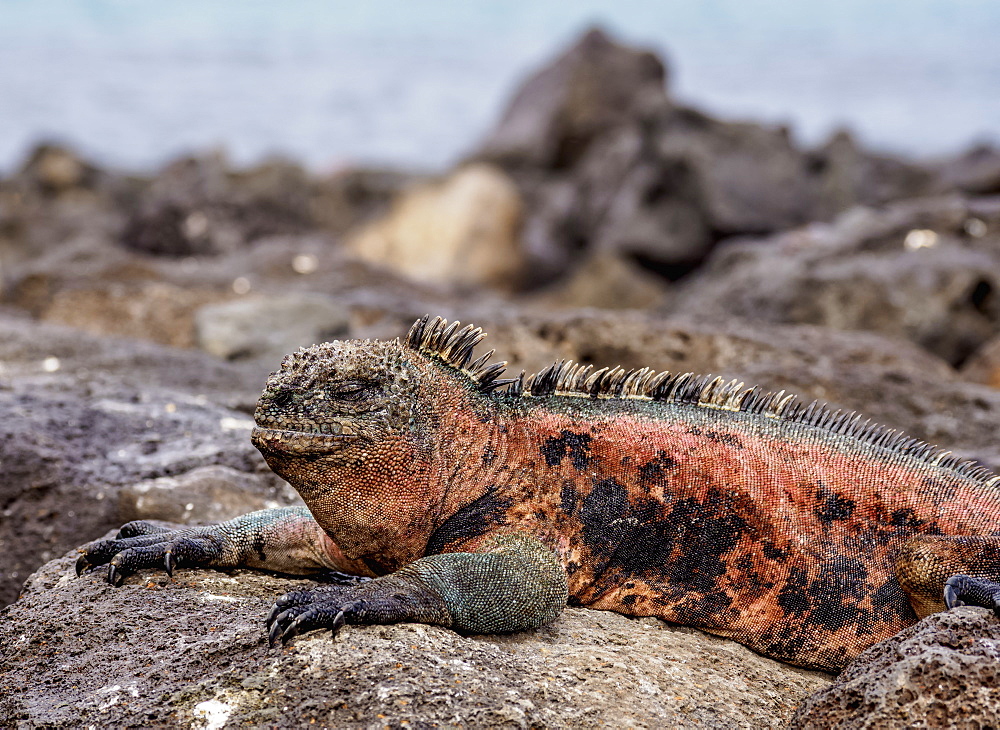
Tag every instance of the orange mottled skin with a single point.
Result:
(777, 535)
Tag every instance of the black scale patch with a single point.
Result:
(472, 520)
(574, 445)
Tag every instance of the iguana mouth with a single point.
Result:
(299, 442)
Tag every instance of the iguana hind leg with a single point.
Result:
(511, 583)
(938, 572)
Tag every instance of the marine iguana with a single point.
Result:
(464, 499)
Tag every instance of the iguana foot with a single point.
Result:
(302, 611)
(140, 545)
(962, 590)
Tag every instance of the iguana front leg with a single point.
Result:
(511, 583)
(285, 540)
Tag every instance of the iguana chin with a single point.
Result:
(483, 503)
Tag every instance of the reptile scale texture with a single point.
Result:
(448, 494)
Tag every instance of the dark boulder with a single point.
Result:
(943, 672)
(592, 88)
(607, 161)
(927, 270)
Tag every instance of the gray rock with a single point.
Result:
(850, 175)
(85, 418)
(269, 327)
(192, 651)
(66, 450)
(39, 356)
(642, 203)
(200, 206)
(943, 672)
(927, 270)
(151, 310)
(607, 161)
(976, 171)
(204, 494)
(605, 281)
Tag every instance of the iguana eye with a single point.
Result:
(282, 398)
(351, 390)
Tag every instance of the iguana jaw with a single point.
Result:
(283, 441)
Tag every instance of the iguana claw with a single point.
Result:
(274, 630)
(82, 565)
(297, 613)
(273, 614)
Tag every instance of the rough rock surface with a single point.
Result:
(204, 494)
(69, 658)
(927, 270)
(942, 672)
(86, 419)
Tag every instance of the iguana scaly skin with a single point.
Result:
(483, 504)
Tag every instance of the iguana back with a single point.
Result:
(780, 527)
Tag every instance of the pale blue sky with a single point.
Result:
(417, 83)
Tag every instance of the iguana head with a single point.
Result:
(357, 428)
(336, 400)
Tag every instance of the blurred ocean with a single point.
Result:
(416, 83)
